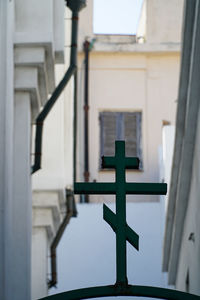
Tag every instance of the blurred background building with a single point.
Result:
(181, 244)
(126, 88)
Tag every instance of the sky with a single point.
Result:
(119, 16)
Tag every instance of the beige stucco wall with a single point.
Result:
(130, 82)
(164, 21)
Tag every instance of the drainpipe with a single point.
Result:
(87, 47)
(70, 212)
(75, 6)
(75, 128)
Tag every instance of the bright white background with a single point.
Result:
(86, 254)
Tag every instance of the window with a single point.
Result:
(121, 126)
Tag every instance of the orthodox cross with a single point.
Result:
(120, 187)
(123, 232)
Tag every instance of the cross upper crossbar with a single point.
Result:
(120, 187)
(129, 162)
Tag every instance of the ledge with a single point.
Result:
(26, 80)
(135, 48)
(34, 57)
(48, 210)
(24, 40)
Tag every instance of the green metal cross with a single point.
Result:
(120, 187)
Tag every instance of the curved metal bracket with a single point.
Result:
(126, 290)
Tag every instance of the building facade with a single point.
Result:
(181, 247)
(133, 81)
(32, 52)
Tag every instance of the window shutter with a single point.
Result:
(139, 137)
(121, 126)
(108, 133)
(130, 133)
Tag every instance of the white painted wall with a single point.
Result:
(190, 245)
(182, 222)
(30, 43)
(168, 150)
(22, 202)
(39, 261)
(6, 144)
(56, 174)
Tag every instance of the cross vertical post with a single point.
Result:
(121, 213)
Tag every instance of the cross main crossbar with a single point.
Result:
(97, 188)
